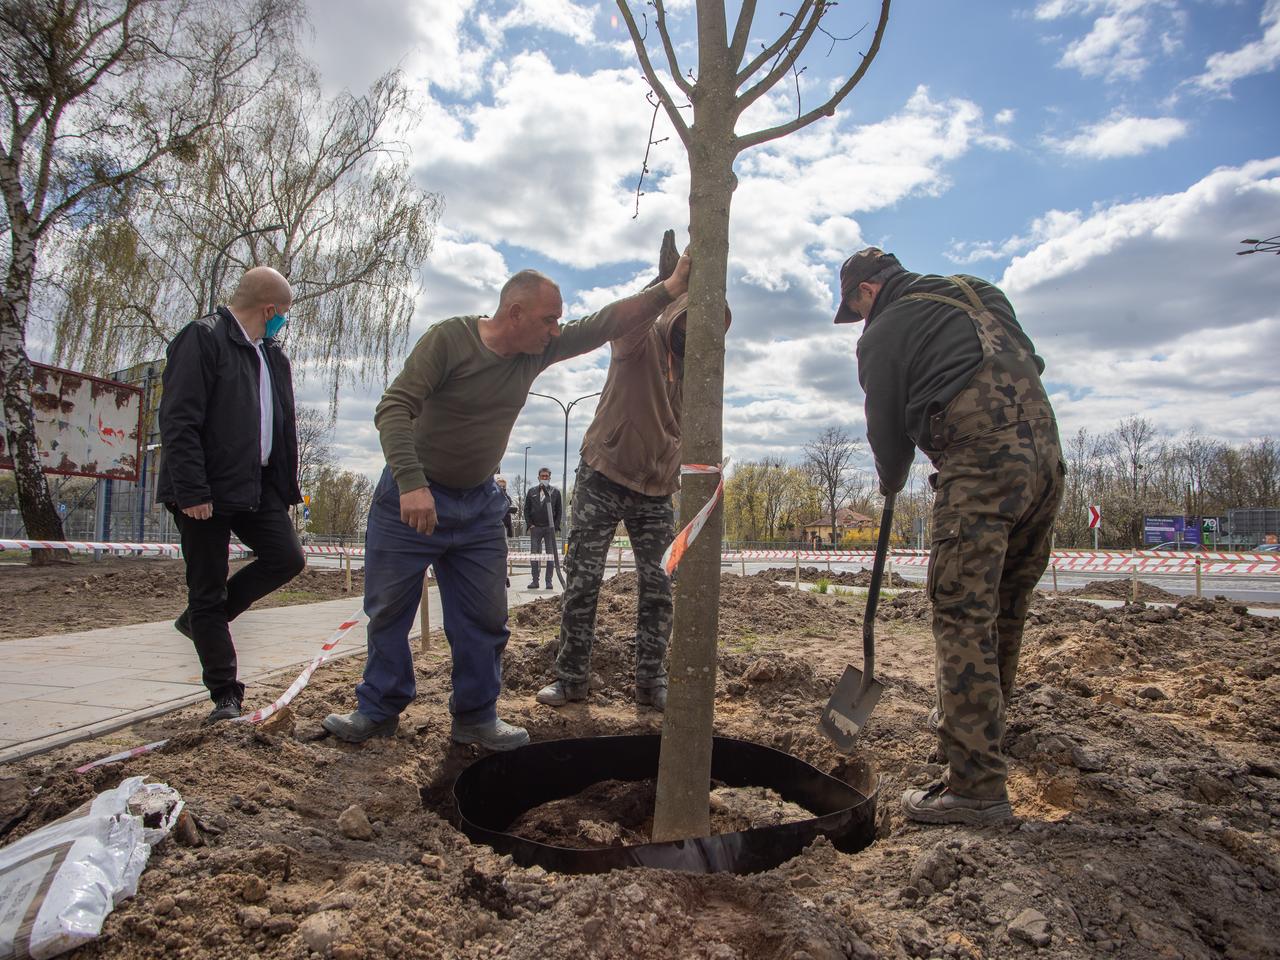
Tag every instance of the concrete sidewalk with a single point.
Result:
(71, 686)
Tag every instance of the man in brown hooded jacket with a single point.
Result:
(630, 466)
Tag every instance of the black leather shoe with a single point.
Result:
(226, 707)
(183, 624)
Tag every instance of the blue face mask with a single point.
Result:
(276, 324)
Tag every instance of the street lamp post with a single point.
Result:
(564, 488)
(222, 252)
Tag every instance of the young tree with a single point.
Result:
(317, 188)
(96, 93)
(723, 88)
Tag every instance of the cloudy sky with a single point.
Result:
(1099, 159)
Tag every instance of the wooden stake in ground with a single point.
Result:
(713, 143)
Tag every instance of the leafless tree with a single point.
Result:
(829, 458)
(725, 83)
(95, 94)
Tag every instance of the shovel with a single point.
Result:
(858, 691)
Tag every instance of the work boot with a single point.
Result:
(532, 586)
(355, 727)
(548, 584)
(935, 719)
(225, 707)
(655, 697)
(183, 624)
(561, 692)
(492, 734)
(939, 805)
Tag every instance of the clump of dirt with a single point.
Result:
(85, 594)
(843, 578)
(1145, 779)
(1123, 590)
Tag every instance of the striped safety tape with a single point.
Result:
(676, 550)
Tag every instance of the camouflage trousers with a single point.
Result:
(598, 505)
(997, 496)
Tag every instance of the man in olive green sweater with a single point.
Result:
(444, 423)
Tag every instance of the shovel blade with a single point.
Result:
(846, 713)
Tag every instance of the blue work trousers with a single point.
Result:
(469, 552)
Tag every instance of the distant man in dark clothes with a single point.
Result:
(230, 465)
(946, 368)
(542, 514)
(444, 423)
(511, 508)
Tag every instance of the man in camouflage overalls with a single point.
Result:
(630, 467)
(946, 368)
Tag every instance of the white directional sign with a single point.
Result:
(1095, 516)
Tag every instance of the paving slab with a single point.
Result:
(61, 688)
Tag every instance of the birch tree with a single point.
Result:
(95, 94)
(724, 84)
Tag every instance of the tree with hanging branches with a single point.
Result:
(723, 85)
(95, 94)
(319, 188)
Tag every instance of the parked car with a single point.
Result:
(1180, 545)
(1267, 548)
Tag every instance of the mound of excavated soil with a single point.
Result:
(842, 578)
(85, 594)
(1144, 773)
(1123, 590)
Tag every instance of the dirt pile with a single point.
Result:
(1145, 775)
(841, 578)
(85, 594)
(1123, 590)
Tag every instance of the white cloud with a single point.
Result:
(1129, 254)
(557, 16)
(1257, 56)
(1123, 37)
(1121, 136)
(1005, 117)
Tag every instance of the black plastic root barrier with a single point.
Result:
(497, 789)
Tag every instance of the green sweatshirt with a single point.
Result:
(448, 416)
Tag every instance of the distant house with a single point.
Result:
(847, 521)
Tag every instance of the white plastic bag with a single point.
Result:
(58, 884)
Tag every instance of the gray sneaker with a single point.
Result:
(355, 727)
(935, 719)
(493, 735)
(655, 697)
(561, 692)
(939, 805)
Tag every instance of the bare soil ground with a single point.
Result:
(1123, 590)
(1145, 746)
(843, 578)
(85, 594)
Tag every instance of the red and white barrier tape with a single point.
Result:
(675, 552)
(1079, 561)
(262, 713)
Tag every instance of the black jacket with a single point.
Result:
(539, 512)
(914, 356)
(209, 421)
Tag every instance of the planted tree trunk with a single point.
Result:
(684, 769)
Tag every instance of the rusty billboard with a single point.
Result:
(86, 426)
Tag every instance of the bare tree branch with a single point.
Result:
(742, 33)
(785, 63)
(664, 95)
(686, 87)
(829, 108)
(775, 48)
